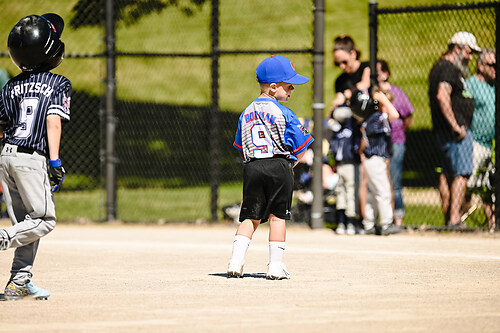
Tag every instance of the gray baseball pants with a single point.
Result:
(379, 200)
(30, 204)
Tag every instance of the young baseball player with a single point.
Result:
(32, 106)
(272, 140)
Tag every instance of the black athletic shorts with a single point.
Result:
(267, 189)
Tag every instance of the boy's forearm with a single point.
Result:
(53, 135)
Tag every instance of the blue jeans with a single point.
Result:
(398, 155)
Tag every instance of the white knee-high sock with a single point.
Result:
(240, 247)
(276, 251)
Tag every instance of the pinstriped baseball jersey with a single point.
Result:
(25, 103)
(267, 128)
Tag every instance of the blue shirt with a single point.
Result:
(344, 144)
(267, 129)
(378, 135)
(483, 120)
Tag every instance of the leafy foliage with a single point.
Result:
(91, 12)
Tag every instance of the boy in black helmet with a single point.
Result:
(32, 106)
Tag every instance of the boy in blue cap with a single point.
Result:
(272, 140)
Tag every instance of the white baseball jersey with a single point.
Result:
(267, 129)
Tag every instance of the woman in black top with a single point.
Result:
(355, 74)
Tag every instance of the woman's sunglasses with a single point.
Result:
(337, 64)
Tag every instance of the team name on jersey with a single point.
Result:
(254, 115)
(31, 87)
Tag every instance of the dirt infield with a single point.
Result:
(117, 278)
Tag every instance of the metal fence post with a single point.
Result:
(318, 108)
(110, 105)
(373, 22)
(214, 110)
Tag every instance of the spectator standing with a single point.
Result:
(398, 128)
(452, 107)
(355, 75)
(482, 87)
(344, 147)
(376, 147)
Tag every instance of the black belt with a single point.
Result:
(271, 158)
(21, 149)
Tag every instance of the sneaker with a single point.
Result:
(455, 227)
(14, 292)
(391, 229)
(277, 271)
(371, 231)
(340, 229)
(350, 229)
(235, 269)
(359, 230)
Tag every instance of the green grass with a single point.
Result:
(416, 215)
(193, 203)
(79, 205)
(146, 205)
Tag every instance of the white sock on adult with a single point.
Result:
(240, 247)
(276, 251)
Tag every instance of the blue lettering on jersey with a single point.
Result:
(266, 117)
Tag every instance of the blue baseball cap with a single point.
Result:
(277, 69)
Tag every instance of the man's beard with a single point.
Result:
(463, 65)
(490, 80)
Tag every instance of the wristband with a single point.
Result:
(55, 163)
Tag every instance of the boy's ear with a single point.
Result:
(273, 86)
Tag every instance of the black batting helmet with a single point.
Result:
(362, 105)
(35, 43)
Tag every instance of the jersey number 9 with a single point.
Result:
(29, 106)
(262, 141)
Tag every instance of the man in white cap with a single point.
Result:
(452, 107)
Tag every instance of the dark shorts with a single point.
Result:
(267, 189)
(456, 155)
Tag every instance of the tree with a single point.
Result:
(91, 12)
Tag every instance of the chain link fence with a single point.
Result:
(173, 161)
(411, 40)
(166, 166)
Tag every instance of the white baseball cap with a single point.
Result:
(465, 38)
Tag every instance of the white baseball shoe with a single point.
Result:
(350, 229)
(235, 269)
(340, 229)
(277, 271)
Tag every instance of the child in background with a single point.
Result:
(376, 147)
(272, 140)
(344, 147)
